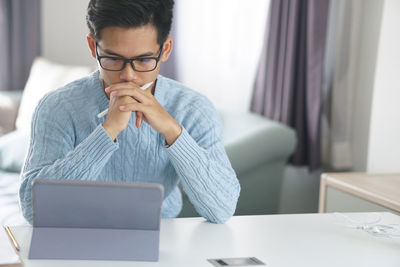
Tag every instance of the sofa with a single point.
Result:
(258, 148)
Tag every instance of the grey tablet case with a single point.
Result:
(90, 220)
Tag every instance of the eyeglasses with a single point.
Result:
(139, 64)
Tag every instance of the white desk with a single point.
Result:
(278, 240)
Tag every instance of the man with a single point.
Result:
(164, 134)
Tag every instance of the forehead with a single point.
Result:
(129, 41)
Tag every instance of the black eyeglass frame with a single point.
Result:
(130, 61)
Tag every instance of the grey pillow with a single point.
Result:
(13, 147)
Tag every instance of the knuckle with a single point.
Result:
(132, 85)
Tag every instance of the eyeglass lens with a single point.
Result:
(140, 64)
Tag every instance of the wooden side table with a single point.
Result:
(345, 192)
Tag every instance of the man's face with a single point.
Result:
(129, 43)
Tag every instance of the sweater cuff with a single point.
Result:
(100, 143)
(184, 149)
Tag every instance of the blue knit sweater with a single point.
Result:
(68, 141)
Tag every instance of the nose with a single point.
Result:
(128, 74)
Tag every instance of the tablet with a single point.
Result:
(95, 220)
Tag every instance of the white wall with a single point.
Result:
(370, 26)
(384, 138)
(219, 48)
(64, 32)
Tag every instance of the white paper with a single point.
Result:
(8, 254)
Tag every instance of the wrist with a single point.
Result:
(172, 133)
(111, 131)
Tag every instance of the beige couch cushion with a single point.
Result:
(44, 77)
(9, 101)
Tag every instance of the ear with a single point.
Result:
(167, 49)
(92, 44)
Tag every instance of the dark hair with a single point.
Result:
(130, 13)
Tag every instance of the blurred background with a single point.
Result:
(330, 70)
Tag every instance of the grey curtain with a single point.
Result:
(288, 86)
(19, 41)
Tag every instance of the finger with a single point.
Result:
(119, 86)
(139, 118)
(123, 100)
(136, 94)
(133, 107)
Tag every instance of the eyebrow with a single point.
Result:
(107, 51)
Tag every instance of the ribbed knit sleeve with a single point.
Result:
(53, 153)
(203, 167)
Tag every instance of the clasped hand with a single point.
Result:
(126, 98)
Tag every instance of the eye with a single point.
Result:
(113, 58)
(144, 60)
